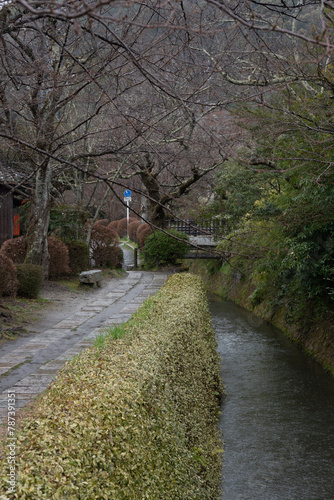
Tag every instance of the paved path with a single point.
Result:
(28, 366)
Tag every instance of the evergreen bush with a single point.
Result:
(67, 223)
(30, 278)
(163, 248)
(8, 282)
(78, 253)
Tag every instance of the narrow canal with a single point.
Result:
(278, 415)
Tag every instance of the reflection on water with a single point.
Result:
(278, 416)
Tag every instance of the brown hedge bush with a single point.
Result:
(59, 258)
(102, 235)
(103, 222)
(111, 257)
(113, 225)
(8, 282)
(143, 234)
(103, 243)
(141, 228)
(15, 249)
(133, 226)
(122, 226)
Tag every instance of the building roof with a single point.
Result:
(10, 176)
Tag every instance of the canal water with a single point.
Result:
(278, 416)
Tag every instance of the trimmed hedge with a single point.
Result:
(136, 418)
(133, 226)
(104, 246)
(103, 222)
(110, 257)
(78, 253)
(31, 279)
(142, 233)
(113, 225)
(141, 227)
(59, 258)
(122, 226)
(15, 249)
(8, 280)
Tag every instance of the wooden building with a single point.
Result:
(10, 202)
(6, 214)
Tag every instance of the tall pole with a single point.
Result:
(127, 217)
(127, 198)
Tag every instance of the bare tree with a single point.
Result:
(136, 84)
(43, 75)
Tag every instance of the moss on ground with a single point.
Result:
(135, 417)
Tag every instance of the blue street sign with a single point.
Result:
(127, 193)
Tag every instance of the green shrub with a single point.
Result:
(30, 279)
(67, 223)
(161, 248)
(8, 281)
(78, 253)
(136, 418)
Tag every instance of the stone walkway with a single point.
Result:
(28, 366)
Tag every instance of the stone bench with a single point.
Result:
(91, 277)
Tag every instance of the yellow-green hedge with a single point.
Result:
(135, 419)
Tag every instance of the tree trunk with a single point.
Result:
(157, 215)
(39, 218)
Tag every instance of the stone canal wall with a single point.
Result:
(315, 335)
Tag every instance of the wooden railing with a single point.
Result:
(190, 227)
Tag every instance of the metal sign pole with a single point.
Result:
(127, 198)
(127, 216)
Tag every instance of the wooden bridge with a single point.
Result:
(201, 235)
(207, 248)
